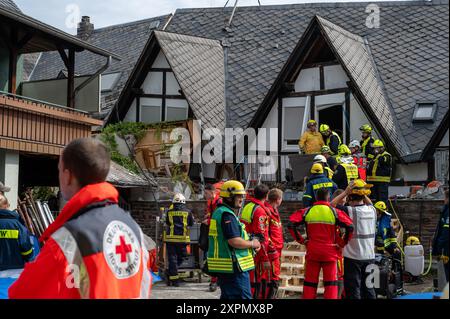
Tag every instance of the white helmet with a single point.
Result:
(354, 143)
(179, 199)
(320, 159)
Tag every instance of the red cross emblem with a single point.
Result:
(123, 249)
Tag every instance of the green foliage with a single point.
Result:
(43, 193)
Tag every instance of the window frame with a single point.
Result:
(114, 83)
(285, 147)
(431, 118)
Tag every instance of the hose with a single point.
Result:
(430, 261)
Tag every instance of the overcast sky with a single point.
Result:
(62, 13)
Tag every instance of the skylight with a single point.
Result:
(109, 81)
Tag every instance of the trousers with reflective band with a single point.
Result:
(220, 255)
(351, 170)
(178, 229)
(376, 173)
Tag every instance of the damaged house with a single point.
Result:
(279, 66)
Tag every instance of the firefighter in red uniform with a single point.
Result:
(255, 218)
(359, 158)
(276, 241)
(94, 249)
(323, 243)
(212, 196)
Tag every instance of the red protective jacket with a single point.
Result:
(258, 223)
(276, 240)
(211, 206)
(323, 242)
(92, 250)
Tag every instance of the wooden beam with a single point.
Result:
(71, 80)
(63, 56)
(26, 38)
(319, 92)
(13, 56)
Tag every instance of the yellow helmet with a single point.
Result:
(378, 143)
(381, 206)
(324, 128)
(344, 150)
(317, 168)
(412, 240)
(231, 188)
(325, 149)
(312, 122)
(366, 128)
(361, 188)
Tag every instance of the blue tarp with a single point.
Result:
(426, 295)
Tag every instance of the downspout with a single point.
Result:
(92, 77)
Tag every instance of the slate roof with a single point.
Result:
(127, 40)
(410, 50)
(198, 65)
(355, 57)
(9, 4)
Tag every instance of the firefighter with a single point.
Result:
(367, 142)
(322, 243)
(359, 254)
(255, 217)
(386, 240)
(316, 181)
(332, 139)
(379, 172)
(346, 170)
(340, 261)
(92, 237)
(16, 248)
(311, 141)
(230, 255)
(177, 237)
(359, 159)
(213, 199)
(276, 241)
(328, 172)
(332, 163)
(441, 237)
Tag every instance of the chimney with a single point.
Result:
(85, 28)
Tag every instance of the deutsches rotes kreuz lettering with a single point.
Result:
(121, 250)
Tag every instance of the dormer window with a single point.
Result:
(424, 112)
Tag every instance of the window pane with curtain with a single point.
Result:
(150, 110)
(176, 110)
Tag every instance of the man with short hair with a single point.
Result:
(94, 249)
(367, 141)
(324, 241)
(331, 138)
(255, 217)
(311, 141)
(15, 245)
(359, 254)
(379, 172)
(346, 170)
(276, 241)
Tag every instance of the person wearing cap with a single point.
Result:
(332, 162)
(311, 141)
(359, 158)
(4, 189)
(359, 254)
(367, 141)
(177, 237)
(328, 172)
(230, 253)
(379, 172)
(332, 139)
(346, 170)
(316, 181)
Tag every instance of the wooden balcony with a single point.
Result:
(36, 127)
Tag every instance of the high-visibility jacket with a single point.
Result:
(333, 142)
(441, 239)
(380, 169)
(255, 217)
(16, 247)
(360, 161)
(315, 182)
(178, 221)
(385, 240)
(222, 258)
(276, 240)
(345, 173)
(367, 149)
(322, 222)
(311, 142)
(362, 245)
(328, 172)
(94, 249)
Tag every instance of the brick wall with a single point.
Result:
(419, 217)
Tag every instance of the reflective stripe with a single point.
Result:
(364, 144)
(329, 172)
(9, 234)
(445, 226)
(351, 170)
(307, 196)
(369, 236)
(26, 253)
(171, 237)
(380, 179)
(310, 284)
(331, 283)
(146, 277)
(322, 185)
(69, 247)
